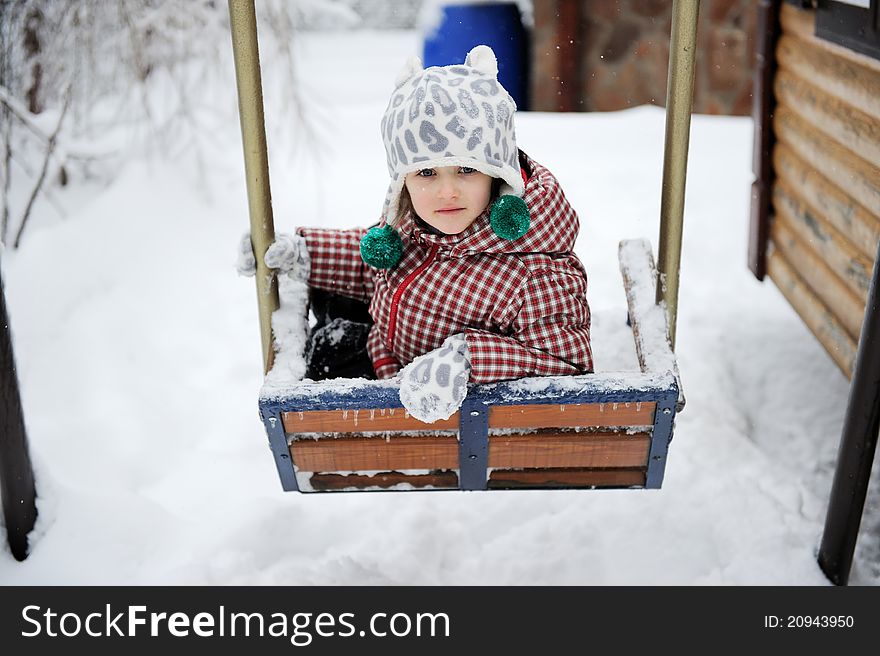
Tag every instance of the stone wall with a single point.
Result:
(600, 55)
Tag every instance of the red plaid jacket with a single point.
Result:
(521, 304)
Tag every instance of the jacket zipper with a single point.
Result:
(395, 300)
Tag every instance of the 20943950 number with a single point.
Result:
(820, 621)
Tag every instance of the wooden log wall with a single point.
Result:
(825, 196)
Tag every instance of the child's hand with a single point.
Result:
(288, 254)
(433, 385)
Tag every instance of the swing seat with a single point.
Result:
(605, 430)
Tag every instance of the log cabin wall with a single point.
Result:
(816, 199)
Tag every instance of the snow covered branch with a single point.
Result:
(50, 148)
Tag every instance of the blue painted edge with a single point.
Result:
(661, 436)
(271, 417)
(473, 444)
(364, 395)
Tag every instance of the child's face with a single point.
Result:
(449, 198)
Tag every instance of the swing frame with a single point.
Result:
(605, 430)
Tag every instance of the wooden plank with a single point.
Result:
(360, 421)
(860, 227)
(819, 319)
(849, 264)
(375, 453)
(830, 289)
(569, 450)
(763, 103)
(330, 482)
(802, 24)
(572, 415)
(851, 128)
(570, 56)
(845, 78)
(853, 175)
(565, 478)
(649, 322)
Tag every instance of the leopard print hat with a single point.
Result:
(457, 115)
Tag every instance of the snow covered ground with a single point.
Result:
(139, 361)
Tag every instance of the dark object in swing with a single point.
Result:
(336, 347)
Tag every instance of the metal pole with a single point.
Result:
(858, 442)
(16, 473)
(243, 21)
(679, 102)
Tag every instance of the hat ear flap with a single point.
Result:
(411, 68)
(483, 59)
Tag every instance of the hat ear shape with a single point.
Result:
(483, 59)
(412, 67)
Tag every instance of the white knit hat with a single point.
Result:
(455, 115)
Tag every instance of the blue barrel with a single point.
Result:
(495, 24)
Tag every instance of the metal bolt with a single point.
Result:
(666, 411)
(284, 456)
(473, 456)
(475, 413)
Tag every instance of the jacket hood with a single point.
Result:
(554, 224)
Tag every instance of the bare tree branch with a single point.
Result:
(50, 147)
(7, 173)
(24, 116)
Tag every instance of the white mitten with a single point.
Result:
(245, 263)
(288, 254)
(433, 385)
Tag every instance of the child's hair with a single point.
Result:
(404, 207)
(405, 204)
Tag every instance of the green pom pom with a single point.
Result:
(381, 248)
(510, 217)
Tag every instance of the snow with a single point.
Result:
(648, 317)
(139, 360)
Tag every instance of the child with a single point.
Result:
(470, 275)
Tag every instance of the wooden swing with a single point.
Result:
(605, 430)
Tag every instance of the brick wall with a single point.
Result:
(600, 55)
